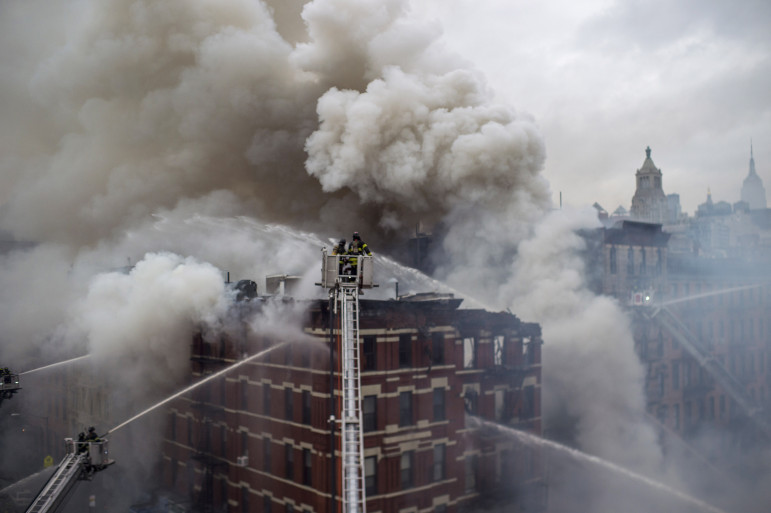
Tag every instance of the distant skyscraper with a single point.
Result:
(649, 202)
(752, 189)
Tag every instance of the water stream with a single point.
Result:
(530, 439)
(71, 360)
(196, 385)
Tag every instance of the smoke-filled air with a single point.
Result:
(149, 148)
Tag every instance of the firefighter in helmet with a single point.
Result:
(356, 248)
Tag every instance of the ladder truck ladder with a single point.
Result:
(732, 386)
(344, 290)
(351, 422)
(60, 484)
(81, 461)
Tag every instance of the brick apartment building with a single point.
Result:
(707, 352)
(260, 439)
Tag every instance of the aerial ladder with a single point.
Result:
(81, 461)
(344, 286)
(9, 384)
(729, 383)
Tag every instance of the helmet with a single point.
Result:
(356, 236)
(342, 241)
(91, 429)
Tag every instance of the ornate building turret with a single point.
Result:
(752, 189)
(649, 202)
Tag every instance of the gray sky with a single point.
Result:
(605, 78)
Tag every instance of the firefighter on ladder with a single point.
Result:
(357, 248)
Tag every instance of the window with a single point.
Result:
(405, 409)
(369, 407)
(643, 263)
(307, 467)
(368, 348)
(370, 475)
(471, 473)
(675, 376)
(439, 404)
(406, 469)
(244, 395)
(306, 407)
(437, 348)
(439, 458)
(499, 404)
(498, 350)
(405, 350)
(266, 504)
(190, 430)
(266, 398)
(289, 456)
(244, 500)
(613, 267)
(289, 403)
(469, 353)
(630, 261)
(470, 399)
(289, 508)
(528, 411)
(266, 454)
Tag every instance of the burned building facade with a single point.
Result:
(264, 437)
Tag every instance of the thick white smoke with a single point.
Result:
(136, 131)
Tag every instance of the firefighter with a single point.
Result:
(357, 247)
(92, 436)
(345, 266)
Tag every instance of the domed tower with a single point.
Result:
(752, 189)
(649, 202)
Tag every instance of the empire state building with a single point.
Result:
(752, 189)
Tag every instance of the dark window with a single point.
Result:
(306, 407)
(173, 423)
(470, 400)
(289, 403)
(437, 348)
(529, 407)
(643, 263)
(471, 473)
(190, 431)
(223, 439)
(405, 350)
(266, 454)
(368, 348)
(406, 469)
(266, 398)
(370, 475)
(307, 467)
(289, 456)
(675, 376)
(244, 442)
(439, 457)
(613, 267)
(369, 407)
(289, 508)
(244, 500)
(244, 395)
(266, 504)
(630, 261)
(405, 409)
(439, 404)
